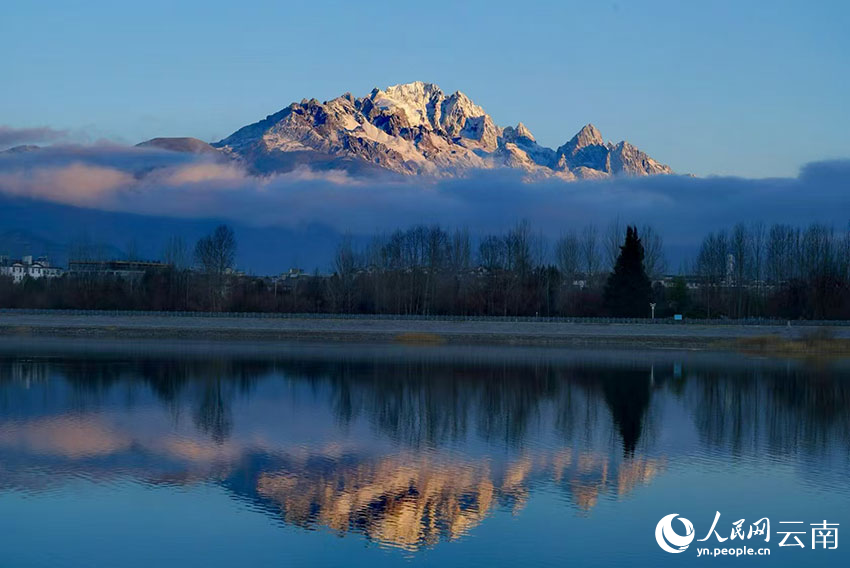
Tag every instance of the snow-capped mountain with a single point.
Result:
(415, 128)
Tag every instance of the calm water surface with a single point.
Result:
(212, 455)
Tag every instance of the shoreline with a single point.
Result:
(399, 331)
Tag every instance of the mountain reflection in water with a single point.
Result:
(406, 447)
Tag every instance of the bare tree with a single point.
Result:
(461, 251)
(741, 248)
(345, 268)
(820, 257)
(654, 260)
(437, 256)
(539, 249)
(711, 260)
(757, 254)
(757, 240)
(519, 248)
(216, 252)
(614, 236)
(711, 263)
(175, 253)
(780, 253)
(568, 255)
(819, 251)
(492, 253)
(437, 261)
(589, 248)
(844, 255)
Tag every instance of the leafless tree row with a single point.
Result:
(750, 262)
(748, 270)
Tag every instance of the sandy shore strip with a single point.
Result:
(412, 331)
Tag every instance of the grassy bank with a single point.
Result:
(816, 343)
(772, 338)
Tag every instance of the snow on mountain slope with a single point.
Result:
(416, 128)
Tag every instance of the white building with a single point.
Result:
(20, 269)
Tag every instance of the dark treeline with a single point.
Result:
(747, 271)
(432, 271)
(779, 271)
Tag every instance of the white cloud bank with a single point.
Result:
(162, 183)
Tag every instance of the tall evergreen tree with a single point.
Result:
(628, 290)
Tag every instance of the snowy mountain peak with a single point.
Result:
(411, 99)
(417, 90)
(589, 135)
(523, 131)
(587, 155)
(416, 128)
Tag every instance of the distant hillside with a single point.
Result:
(18, 242)
(36, 227)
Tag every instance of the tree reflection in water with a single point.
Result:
(408, 449)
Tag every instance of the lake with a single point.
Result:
(213, 454)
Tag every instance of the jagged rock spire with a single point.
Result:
(523, 131)
(589, 135)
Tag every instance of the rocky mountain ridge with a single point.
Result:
(413, 129)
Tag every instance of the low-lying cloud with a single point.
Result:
(163, 183)
(10, 136)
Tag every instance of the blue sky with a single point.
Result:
(744, 88)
